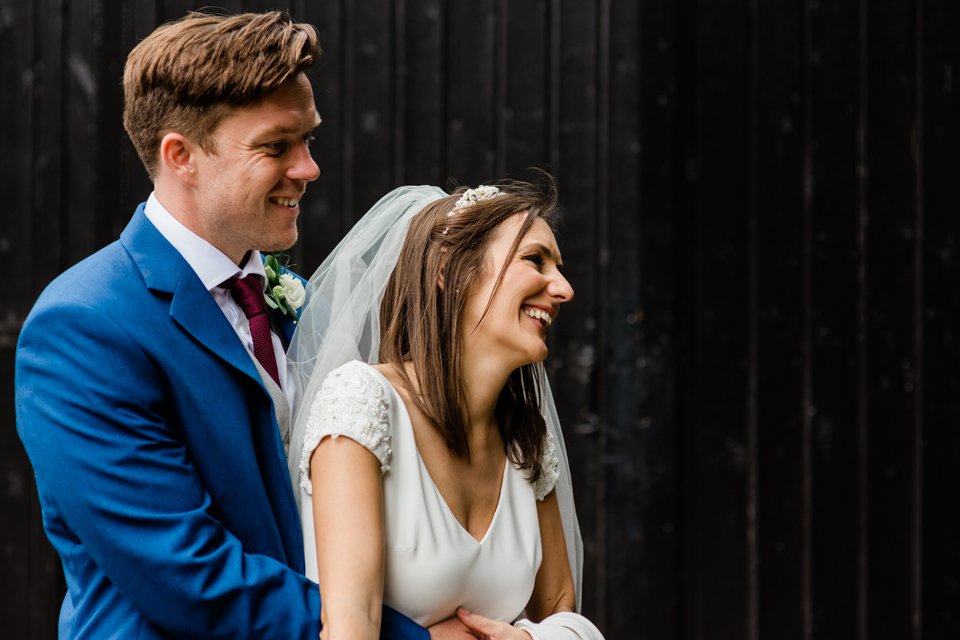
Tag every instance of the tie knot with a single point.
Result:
(248, 293)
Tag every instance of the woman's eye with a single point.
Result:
(535, 259)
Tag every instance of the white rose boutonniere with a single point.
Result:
(293, 291)
(285, 291)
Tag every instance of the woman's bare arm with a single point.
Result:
(553, 589)
(348, 520)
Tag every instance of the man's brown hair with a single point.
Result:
(422, 323)
(188, 74)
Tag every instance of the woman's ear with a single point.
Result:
(443, 261)
(178, 155)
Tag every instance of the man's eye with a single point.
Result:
(307, 139)
(275, 148)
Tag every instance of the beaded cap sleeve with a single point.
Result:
(551, 468)
(352, 403)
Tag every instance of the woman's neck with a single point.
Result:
(483, 380)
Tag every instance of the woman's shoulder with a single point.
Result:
(353, 401)
(351, 387)
(549, 468)
(355, 375)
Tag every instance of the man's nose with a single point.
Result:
(304, 167)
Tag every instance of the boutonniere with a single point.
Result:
(285, 291)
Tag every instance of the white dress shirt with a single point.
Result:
(213, 268)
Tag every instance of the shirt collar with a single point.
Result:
(210, 264)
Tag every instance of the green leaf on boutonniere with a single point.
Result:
(284, 291)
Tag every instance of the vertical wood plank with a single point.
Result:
(940, 568)
(641, 487)
(524, 70)
(17, 74)
(424, 83)
(916, 437)
(110, 198)
(714, 434)
(780, 309)
(891, 366)
(79, 232)
(17, 535)
(47, 145)
(373, 120)
(45, 582)
(471, 69)
(834, 201)
(646, 48)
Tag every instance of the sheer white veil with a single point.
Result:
(340, 322)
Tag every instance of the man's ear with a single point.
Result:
(179, 155)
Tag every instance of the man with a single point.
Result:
(150, 376)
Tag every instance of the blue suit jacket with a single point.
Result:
(157, 455)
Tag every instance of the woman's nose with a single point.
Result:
(559, 288)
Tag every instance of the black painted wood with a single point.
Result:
(781, 285)
(720, 426)
(836, 373)
(940, 556)
(892, 293)
(759, 377)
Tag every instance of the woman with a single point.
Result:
(449, 493)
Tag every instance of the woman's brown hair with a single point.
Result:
(422, 322)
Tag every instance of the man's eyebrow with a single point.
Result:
(291, 130)
(545, 250)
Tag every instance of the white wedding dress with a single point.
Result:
(433, 565)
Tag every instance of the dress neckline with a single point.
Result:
(433, 483)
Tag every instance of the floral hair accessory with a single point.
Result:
(285, 291)
(472, 196)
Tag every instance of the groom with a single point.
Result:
(150, 376)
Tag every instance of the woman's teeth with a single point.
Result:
(538, 314)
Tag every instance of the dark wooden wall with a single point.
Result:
(760, 377)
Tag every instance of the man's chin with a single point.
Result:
(279, 245)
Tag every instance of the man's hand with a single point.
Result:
(450, 629)
(487, 629)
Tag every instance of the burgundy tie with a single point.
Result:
(248, 292)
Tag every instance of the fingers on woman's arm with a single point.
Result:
(553, 590)
(450, 629)
(348, 520)
(489, 629)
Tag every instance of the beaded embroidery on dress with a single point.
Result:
(352, 403)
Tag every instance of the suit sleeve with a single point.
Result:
(94, 418)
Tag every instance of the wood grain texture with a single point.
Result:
(759, 377)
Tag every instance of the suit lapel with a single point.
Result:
(283, 325)
(192, 307)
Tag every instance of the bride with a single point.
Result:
(426, 451)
